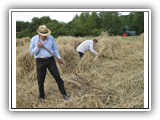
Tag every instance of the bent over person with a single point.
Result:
(45, 60)
(87, 45)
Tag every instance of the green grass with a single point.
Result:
(125, 38)
(131, 38)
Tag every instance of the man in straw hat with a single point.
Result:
(45, 60)
(87, 45)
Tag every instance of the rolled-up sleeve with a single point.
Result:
(55, 49)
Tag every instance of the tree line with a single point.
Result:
(86, 24)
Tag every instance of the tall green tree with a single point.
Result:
(130, 18)
(137, 23)
(124, 20)
(21, 25)
(44, 20)
(35, 21)
(111, 21)
(116, 24)
(82, 18)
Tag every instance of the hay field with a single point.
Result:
(119, 69)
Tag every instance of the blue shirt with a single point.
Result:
(49, 43)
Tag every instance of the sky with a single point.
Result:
(60, 16)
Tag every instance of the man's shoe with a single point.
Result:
(41, 98)
(66, 97)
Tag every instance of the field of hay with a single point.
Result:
(119, 69)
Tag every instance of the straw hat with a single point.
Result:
(43, 30)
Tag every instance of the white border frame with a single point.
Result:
(147, 58)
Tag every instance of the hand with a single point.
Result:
(98, 53)
(39, 44)
(60, 60)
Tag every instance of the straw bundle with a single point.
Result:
(33, 74)
(103, 35)
(62, 40)
(26, 62)
(67, 52)
(85, 64)
(142, 37)
(140, 43)
(20, 72)
(26, 39)
(69, 56)
(19, 42)
(110, 47)
(72, 41)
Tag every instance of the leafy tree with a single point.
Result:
(130, 18)
(21, 25)
(86, 24)
(124, 19)
(137, 23)
(82, 18)
(35, 21)
(116, 24)
(44, 20)
(76, 17)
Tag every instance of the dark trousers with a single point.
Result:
(81, 54)
(41, 66)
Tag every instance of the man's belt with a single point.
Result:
(45, 58)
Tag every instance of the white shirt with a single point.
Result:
(86, 45)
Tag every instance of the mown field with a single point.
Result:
(119, 69)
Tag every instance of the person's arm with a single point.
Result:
(33, 48)
(92, 50)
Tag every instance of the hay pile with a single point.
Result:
(19, 42)
(142, 37)
(69, 40)
(25, 63)
(67, 48)
(103, 35)
(140, 43)
(22, 41)
(109, 47)
(69, 56)
(119, 68)
(26, 39)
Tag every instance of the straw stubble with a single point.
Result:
(119, 68)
